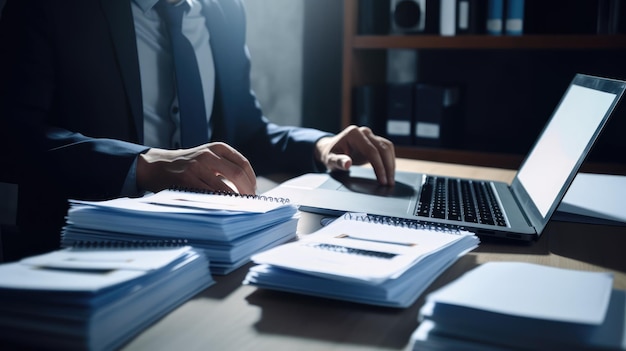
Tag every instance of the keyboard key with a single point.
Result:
(459, 200)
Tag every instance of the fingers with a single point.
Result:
(364, 146)
(388, 157)
(219, 162)
(214, 166)
(339, 162)
(381, 155)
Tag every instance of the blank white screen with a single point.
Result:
(563, 141)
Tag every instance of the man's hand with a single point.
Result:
(209, 166)
(358, 145)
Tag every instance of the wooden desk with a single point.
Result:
(229, 316)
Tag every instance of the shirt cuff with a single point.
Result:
(130, 183)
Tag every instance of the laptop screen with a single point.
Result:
(564, 142)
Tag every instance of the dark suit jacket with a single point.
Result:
(71, 104)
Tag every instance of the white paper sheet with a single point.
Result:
(596, 195)
(531, 290)
(356, 250)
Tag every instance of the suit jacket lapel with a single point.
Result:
(121, 26)
(212, 14)
(223, 127)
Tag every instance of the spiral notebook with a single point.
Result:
(106, 255)
(76, 298)
(363, 258)
(229, 227)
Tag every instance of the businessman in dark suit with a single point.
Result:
(90, 106)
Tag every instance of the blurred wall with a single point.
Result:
(275, 32)
(295, 47)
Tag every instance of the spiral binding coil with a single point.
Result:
(230, 193)
(404, 222)
(131, 244)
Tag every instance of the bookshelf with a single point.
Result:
(364, 62)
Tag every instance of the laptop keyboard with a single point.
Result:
(459, 200)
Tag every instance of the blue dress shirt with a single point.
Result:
(160, 105)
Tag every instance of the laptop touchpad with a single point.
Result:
(364, 185)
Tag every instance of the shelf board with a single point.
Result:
(582, 42)
(473, 158)
(492, 159)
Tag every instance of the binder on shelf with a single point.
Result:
(399, 125)
(369, 104)
(514, 19)
(495, 17)
(96, 299)
(228, 227)
(432, 17)
(471, 16)
(447, 17)
(363, 258)
(435, 115)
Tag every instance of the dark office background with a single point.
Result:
(509, 93)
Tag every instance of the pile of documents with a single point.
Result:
(362, 258)
(523, 306)
(594, 198)
(94, 299)
(228, 227)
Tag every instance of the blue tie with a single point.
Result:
(193, 121)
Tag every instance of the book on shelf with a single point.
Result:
(399, 121)
(228, 227)
(436, 115)
(363, 258)
(97, 296)
(448, 18)
(419, 114)
(514, 17)
(492, 17)
(505, 305)
(495, 17)
(368, 106)
(471, 17)
(432, 16)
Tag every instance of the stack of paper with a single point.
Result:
(357, 259)
(229, 228)
(594, 198)
(509, 305)
(94, 299)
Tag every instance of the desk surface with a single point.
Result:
(231, 316)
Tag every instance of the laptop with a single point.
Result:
(519, 210)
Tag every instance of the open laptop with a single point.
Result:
(520, 210)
